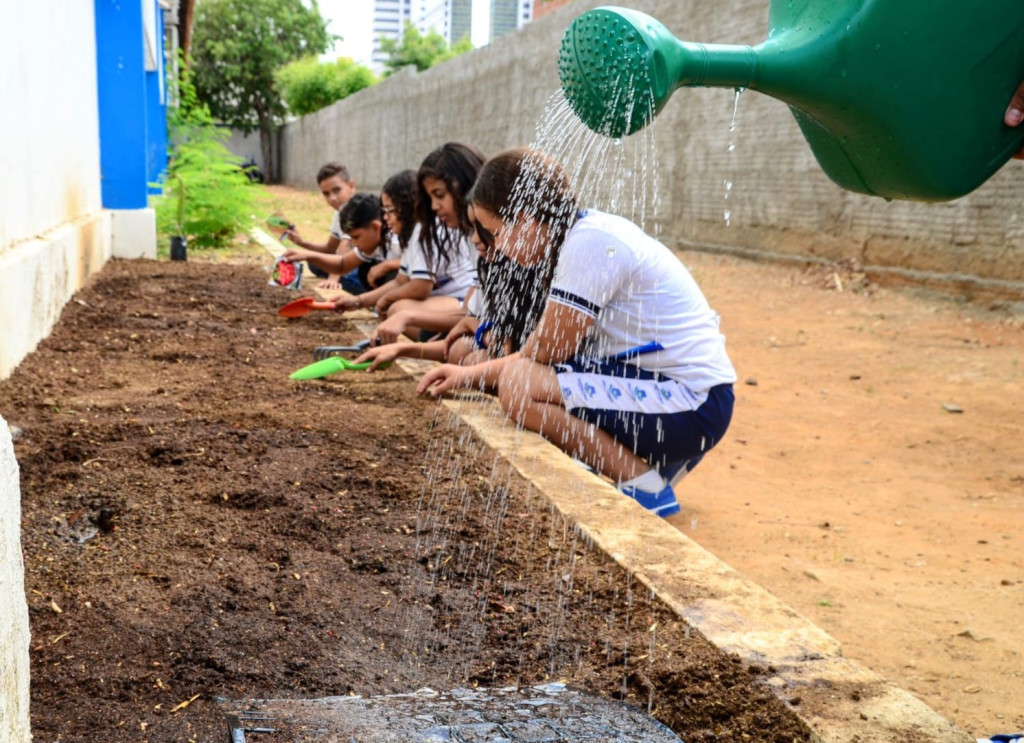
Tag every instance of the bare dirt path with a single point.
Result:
(873, 477)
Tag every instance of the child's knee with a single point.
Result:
(462, 350)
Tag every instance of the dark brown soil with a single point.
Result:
(196, 525)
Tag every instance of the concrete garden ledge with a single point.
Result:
(840, 700)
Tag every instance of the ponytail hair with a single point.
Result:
(514, 184)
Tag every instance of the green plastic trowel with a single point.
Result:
(902, 99)
(330, 365)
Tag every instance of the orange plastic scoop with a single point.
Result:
(304, 306)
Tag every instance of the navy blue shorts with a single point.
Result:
(657, 418)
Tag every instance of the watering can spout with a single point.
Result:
(900, 99)
(620, 96)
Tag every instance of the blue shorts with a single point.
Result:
(658, 418)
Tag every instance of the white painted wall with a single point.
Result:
(53, 230)
(14, 637)
(53, 235)
(50, 125)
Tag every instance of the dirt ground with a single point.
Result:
(197, 526)
(873, 476)
(872, 479)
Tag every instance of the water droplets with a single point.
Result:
(727, 212)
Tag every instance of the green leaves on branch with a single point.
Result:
(422, 50)
(237, 48)
(309, 85)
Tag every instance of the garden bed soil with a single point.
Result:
(197, 526)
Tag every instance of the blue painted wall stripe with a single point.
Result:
(133, 133)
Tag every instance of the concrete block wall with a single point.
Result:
(781, 204)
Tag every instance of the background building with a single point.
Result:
(453, 19)
(389, 17)
(461, 20)
(509, 15)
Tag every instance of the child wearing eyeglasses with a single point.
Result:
(362, 221)
(439, 263)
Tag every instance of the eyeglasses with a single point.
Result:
(386, 210)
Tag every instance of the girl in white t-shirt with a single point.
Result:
(626, 369)
(439, 266)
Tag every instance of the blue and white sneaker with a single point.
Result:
(663, 503)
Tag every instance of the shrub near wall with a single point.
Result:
(780, 204)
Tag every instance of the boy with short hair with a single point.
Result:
(337, 187)
(360, 219)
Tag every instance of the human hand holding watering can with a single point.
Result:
(1015, 113)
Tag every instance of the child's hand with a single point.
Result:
(294, 255)
(465, 326)
(380, 355)
(443, 378)
(292, 233)
(389, 330)
(332, 282)
(376, 272)
(346, 304)
(382, 306)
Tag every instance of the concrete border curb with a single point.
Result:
(839, 700)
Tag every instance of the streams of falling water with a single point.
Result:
(731, 149)
(621, 177)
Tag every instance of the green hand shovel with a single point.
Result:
(331, 365)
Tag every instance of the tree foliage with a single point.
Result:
(308, 85)
(422, 50)
(237, 47)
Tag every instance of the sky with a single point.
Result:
(353, 20)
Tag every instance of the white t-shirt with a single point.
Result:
(638, 292)
(336, 226)
(453, 279)
(382, 252)
(474, 304)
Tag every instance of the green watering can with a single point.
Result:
(902, 99)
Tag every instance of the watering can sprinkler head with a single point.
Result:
(855, 73)
(614, 67)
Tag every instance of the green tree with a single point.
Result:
(237, 47)
(308, 84)
(422, 50)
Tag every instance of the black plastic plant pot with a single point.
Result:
(179, 248)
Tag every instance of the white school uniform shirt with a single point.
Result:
(393, 249)
(474, 304)
(638, 292)
(336, 226)
(453, 279)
